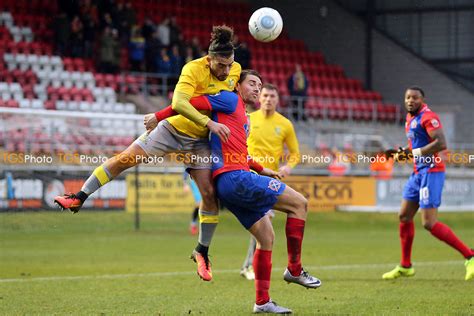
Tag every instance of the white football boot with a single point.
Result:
(304, 279)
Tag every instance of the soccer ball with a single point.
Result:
(265, 24)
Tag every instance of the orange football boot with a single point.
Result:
(68, 202)
(203, 265)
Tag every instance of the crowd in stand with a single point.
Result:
(102, 29)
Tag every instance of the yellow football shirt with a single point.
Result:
(195, 80)
(267, 139)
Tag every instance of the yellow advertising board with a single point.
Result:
(326, 193)
(158, 193)
(164, 192)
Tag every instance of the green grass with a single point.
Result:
(124, 272)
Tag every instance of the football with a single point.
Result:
(265, 24)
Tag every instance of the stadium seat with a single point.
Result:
(25, 103)
(37, 104)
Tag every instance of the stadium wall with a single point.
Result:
(340, 36)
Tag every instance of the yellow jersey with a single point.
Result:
(196, 79)
(267, 138)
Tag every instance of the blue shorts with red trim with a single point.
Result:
(247, 195)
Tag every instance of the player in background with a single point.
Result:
(189, 186)
(207, 75)
(269, 133)
(423, 189)
(250, 196)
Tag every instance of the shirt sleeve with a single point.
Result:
(430, 121)
(183, 92)
(255, 165)
(224, 101)
(293, 147)
(199, 103)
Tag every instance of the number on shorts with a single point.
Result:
(424, 193)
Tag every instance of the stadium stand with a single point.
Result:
(32, 77)
(332, 95)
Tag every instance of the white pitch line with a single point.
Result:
(179, 273)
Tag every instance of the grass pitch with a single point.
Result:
(95, 263)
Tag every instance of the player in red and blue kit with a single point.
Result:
(425, 185)
(250, 196)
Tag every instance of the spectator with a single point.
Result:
(107, 21)
(129, 16)
(298, 87)
(136, 50)
(164, 62)
(62, 32)
(109, 51)
(196, 46)
(89, 36)
(89, 21)
(89, 10)
(175, 31)
(189, 54)
(177, 60)
(164, 31)
(153, 48)
(182, 45)
(122, 26)
(148, 28)
(125, 17)
(242, 53)
(77, 37)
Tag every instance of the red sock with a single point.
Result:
(294, 239)
(262, 266)
(407, 233)
(444, 233)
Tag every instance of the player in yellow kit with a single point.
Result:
(207, 75)
(270, 132)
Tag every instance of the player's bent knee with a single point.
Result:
(403, 217)
(427, 226)
(266, 241)
(301, 204)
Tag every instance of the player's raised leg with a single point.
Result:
(444, 233)
(103, 174)
(407, 234)
(208, 220)
(295, 205)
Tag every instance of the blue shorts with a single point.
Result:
(425, 188)
(247, 195)
(195, 191)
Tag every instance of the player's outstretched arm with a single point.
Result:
(199, 103)
(181, 103)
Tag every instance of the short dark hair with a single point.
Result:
(416, 88)
(270, 86)
(221, 41)
(247, 72)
